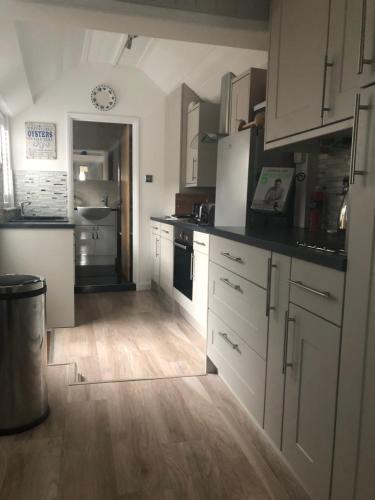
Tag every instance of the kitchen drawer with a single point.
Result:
(166, 231)
(246, 261)
(242, 369)
(240, 304)
(155, 227)
(318, 289)
(201, 242)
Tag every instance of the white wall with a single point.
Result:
(137, 96)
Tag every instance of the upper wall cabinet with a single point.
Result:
(350, 59)
(201, 156)
(299, 30)
(247, 90)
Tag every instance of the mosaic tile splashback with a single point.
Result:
(47, 191)
(1, 187)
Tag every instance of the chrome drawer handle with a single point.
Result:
(165, 231)
(200, 243)
(286, 364)
(321, 293)
(155, 227)
(232, 285)
(232, 257)
(228, 341)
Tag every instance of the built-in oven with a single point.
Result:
(183, 261)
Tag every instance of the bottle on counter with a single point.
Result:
(316, 211)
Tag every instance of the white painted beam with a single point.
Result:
(153, 22)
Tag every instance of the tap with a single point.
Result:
(22, 205)
(105, 200)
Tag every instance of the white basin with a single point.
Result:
(94, 213)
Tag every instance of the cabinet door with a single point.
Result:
(106, 241)
(85, 239)
(366, 55)
(200, 288)
(279, 303)
(240, 102)
(359, 311)
(166, 265)
(312, 359)
(155, 258)
(192, 147)
(299, 31)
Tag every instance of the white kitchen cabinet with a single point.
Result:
(350, 56)
(155, 258)
(166, 265)
(200, 279)
(311, 364)
(354, 448)
(247, 90)
(279, 304)
(299, 32)
(241, 367)
(203, 118)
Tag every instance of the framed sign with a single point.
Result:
(40, 141)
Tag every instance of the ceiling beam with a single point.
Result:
(153, 22)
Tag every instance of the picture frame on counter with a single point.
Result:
(40, 141)
(273, 189)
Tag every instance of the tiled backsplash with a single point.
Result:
(46, 190)
(333, 166)
(1, 187)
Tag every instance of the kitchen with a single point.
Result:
(258, 237)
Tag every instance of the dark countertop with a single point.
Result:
(280, 240)
(37, 225)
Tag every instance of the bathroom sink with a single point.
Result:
(94, 213)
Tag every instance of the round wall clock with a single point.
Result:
(103, 97)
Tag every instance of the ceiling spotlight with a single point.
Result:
(129, 41)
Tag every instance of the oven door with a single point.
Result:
(183, 269)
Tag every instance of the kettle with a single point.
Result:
(342, 221)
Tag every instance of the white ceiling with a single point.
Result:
(167, 63)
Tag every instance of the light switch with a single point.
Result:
(148, 178)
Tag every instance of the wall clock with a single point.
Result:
(103, 97)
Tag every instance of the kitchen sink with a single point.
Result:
(94, 213)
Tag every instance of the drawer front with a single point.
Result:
(201, 242)
(155, 227)
(247, 261)
(167, 231)
(318, 289)
(240, 304)
(238, 365)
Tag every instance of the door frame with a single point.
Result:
(124, 120)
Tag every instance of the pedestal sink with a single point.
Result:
(94, 213)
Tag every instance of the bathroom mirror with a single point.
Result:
(91, 166)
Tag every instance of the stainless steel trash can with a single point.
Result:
(23, 353)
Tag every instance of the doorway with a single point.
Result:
(102, 182)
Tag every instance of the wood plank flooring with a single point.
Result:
(127, 335)
(170, 439)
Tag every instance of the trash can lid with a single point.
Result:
(20, 284)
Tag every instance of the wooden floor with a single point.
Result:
(127, 335)
(170, 439)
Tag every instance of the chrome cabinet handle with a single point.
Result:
(234, 346)
(194, 163)
(165, 231)
(200, 243)
(287, 320)
(156, 247)
(324, 108)
(362, 39)
(232, 257)
(353, 154)
(155, 227)
(321, 293)
(180, 246)
(269, 280)
(232, 285)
